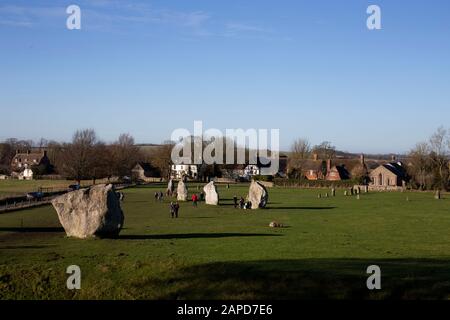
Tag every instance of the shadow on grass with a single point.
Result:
(24, 247)
(301, 208)
(200, 217)
(194, 236)
(406, 279)
(33, 229)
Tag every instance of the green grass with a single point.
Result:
(16, 187)
(224, 253)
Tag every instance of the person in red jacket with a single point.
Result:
(194, 200)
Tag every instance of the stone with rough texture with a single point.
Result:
(258, 195)
(275, 224)
(211, 194)
(437, 195)
(92, 212)
(182, 192)
(170, 187)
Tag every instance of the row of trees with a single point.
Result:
(429, 165)
(85, 157)
(302, 150)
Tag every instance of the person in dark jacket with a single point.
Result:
(172, 209)
(176, 209)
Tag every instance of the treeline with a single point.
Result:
(429, 165)
(87, 157)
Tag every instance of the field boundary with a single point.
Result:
(27, 204)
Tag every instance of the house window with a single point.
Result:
(380, 179)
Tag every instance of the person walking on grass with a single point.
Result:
(172, 209)
(161, 196)
(194, 200)
(176, 208)
(242, 203)
(235, 201)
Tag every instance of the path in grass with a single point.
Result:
(222, 252)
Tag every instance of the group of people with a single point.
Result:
(175, 206)
(241, 204)
(159, 196)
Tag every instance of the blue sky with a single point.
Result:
(310, 68)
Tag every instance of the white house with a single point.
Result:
(26, 174)
(252, 170)
(188, 170)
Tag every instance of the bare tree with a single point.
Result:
(125, 154)
(325, 150)
(6, 155)
(300, 153)
(78, 159)
(162, 158)
(420, 164)
(42, 143)
(8, 150)
(439, 144)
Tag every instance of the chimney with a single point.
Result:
(361, 158)
(315, 156)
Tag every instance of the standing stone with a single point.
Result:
(437, 196)
(345, 193)
(333, 192)
(92, 212)
(182, 192)
(319, 196)
(258, 195)
(366, 189)
(170, 188)
(211, 194)
(275, 224)
(326, 195)
(358, 197)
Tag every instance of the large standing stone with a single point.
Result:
(258, 195)
(92, 212)
(182, 192)
(211, 194)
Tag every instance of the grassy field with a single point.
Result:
(16, 187)
(227, 253)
